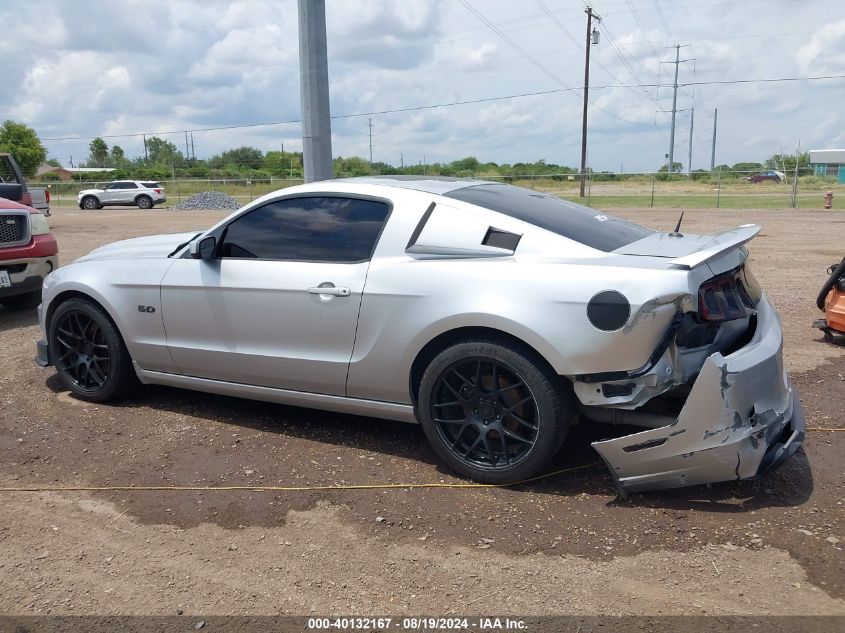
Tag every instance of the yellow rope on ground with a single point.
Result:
(284, 488)
(303, 488)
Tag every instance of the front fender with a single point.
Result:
(119, 288)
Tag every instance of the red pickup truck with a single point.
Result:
(28, 251)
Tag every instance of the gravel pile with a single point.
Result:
(208, 200)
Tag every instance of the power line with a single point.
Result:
(531, 59)
(663, 19)
(566, 31)
(559, 24)
(642, 28)
(513, 44)
(446, 105)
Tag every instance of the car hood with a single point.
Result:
(154, 246)
(84, 191)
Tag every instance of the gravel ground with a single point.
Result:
(208, 200)
(563, 545)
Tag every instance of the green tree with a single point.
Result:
(23, 143)
(117, 157)
(283, 164)
(163, 152)
(747, 166)
(98, 153)
(54, 162)
(676, 168)
(352, 166)
(465, 165)
(787, 161)
(244, 156)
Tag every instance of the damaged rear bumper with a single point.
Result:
(742, 418)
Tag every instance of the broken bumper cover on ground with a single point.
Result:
(742, 418)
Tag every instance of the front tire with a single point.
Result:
(144, 202)
(494, 411)
(88, 352)
(90, 203)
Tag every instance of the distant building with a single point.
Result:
(828, 162)
(66, 173)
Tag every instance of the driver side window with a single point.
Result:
(313, 229)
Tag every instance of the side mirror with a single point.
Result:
(203, 248)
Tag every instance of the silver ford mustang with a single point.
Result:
(495, 316)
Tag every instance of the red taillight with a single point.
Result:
(724, 298)
(158, 190)
(47, 195)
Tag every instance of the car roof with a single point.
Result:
(438, 185)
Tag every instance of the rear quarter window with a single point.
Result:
(150, 185)
(579, 223)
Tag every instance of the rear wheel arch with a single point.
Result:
(452, 337)
(144, 197)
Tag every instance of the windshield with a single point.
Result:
(577, 222)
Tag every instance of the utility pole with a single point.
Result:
(371, 142)
(670, 164)
(691, 123)
(713, 148)
(402, 160)
(146, 157)
(590, 16)
(187, 147)
(314, 82)
(671, 158)
(193, 153)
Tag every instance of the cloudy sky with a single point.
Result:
(113, 67)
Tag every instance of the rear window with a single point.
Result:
(577, 222)
(150, 185)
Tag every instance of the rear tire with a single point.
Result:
(144, 202)
(88, 352)
(22, 302)
(494, 411)
(90, 203)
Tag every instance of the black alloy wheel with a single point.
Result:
(485, 412)
(82, 352)
(88, 352)
(494, 411)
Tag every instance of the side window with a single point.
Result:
(127, 185)
(315, 229)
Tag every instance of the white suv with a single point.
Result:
(136, 193)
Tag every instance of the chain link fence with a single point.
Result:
(609, 190)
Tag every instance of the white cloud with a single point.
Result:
(126, 66)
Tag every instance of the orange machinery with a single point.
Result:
(831, 300)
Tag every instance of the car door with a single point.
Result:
(126, 192)
(109, 193)
(277, 305)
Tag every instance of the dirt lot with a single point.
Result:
(563, 545)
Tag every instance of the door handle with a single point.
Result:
(328, 288)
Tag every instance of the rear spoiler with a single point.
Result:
(719, 244)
